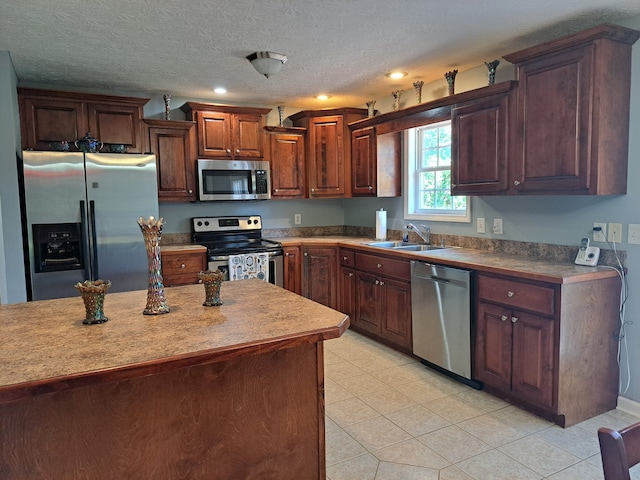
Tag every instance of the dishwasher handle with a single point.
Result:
(433, 278)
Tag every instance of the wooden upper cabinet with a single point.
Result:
(48, 117)
(363, 154)
(174, 144)
(287, 158)
(571, 132)
(479, 143)
(225, 131)
(375, 163)
(328, 159)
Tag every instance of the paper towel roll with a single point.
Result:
(381, 225)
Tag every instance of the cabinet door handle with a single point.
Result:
(370, 187)
(344, 258)
(351, 274)
(228, 150)
(377, 282)
(381, 283)
(510, 294)
(379, 265)
(516, 182)
(237, 150)
(275, 190)
(183, 266)
(313, 190)
(514, 319)
(306, 254)
(504, 318)
(287, 254)
(189, 191)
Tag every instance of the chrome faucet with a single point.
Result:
(424, 236)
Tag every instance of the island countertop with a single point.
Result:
(45, 347)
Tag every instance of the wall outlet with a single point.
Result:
(614, 232)
(297, 218)
(480, 226)
(600, 236)
(633, 235)
(497, 226)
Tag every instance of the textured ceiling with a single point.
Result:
(339, 47)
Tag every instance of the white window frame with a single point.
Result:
(411, 173)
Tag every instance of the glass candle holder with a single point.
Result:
(212, 282)
(93, 294)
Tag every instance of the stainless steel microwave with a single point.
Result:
(233, 180)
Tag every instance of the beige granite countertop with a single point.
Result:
(553, 271)
(45, 346)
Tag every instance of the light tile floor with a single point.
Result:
(390, 418)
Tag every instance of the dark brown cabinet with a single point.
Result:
(293, 269)
(536, 344)
(174, 144)
(347, 283)
(375, 163)
(180, 266)
(320, 274)
(48, 117)
(287, 158)
(226, 131)
(515, 353)
(480, 143)
(383, 299)
(328, 158)
(571, 130)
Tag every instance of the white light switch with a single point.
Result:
(633, 235)
(497, 226)
(480, 226)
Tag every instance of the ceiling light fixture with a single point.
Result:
(267, 63)
(397, 75)
(220, 90)
(322, 96)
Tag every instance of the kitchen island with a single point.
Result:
(228, 392)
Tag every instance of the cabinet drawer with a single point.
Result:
(182, 268)
(347, 258)
(516, 294)
(400, 269)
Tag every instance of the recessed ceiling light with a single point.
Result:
(220, 90)
(396, 75)
(322, 96)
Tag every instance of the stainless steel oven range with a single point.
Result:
(224, 236)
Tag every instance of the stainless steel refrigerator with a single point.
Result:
(81, 219)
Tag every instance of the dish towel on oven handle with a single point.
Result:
(249, 265)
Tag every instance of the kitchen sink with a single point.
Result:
(419, 248)
(391, 244)
(405, 246)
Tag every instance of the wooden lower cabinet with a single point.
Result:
(550, 348)
(292, 270)
(180, 266)
(383, 299)
(515, 353)
(347, 283)
(320, 274)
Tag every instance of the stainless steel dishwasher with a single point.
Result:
(441, 318)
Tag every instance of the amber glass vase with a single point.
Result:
(151, 231)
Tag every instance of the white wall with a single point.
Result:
(12, 278)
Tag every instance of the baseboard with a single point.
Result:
(629, 406)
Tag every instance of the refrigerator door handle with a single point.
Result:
(94, 242)
(86, 245)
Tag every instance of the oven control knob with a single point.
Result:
(206, 223)
(199, 224)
